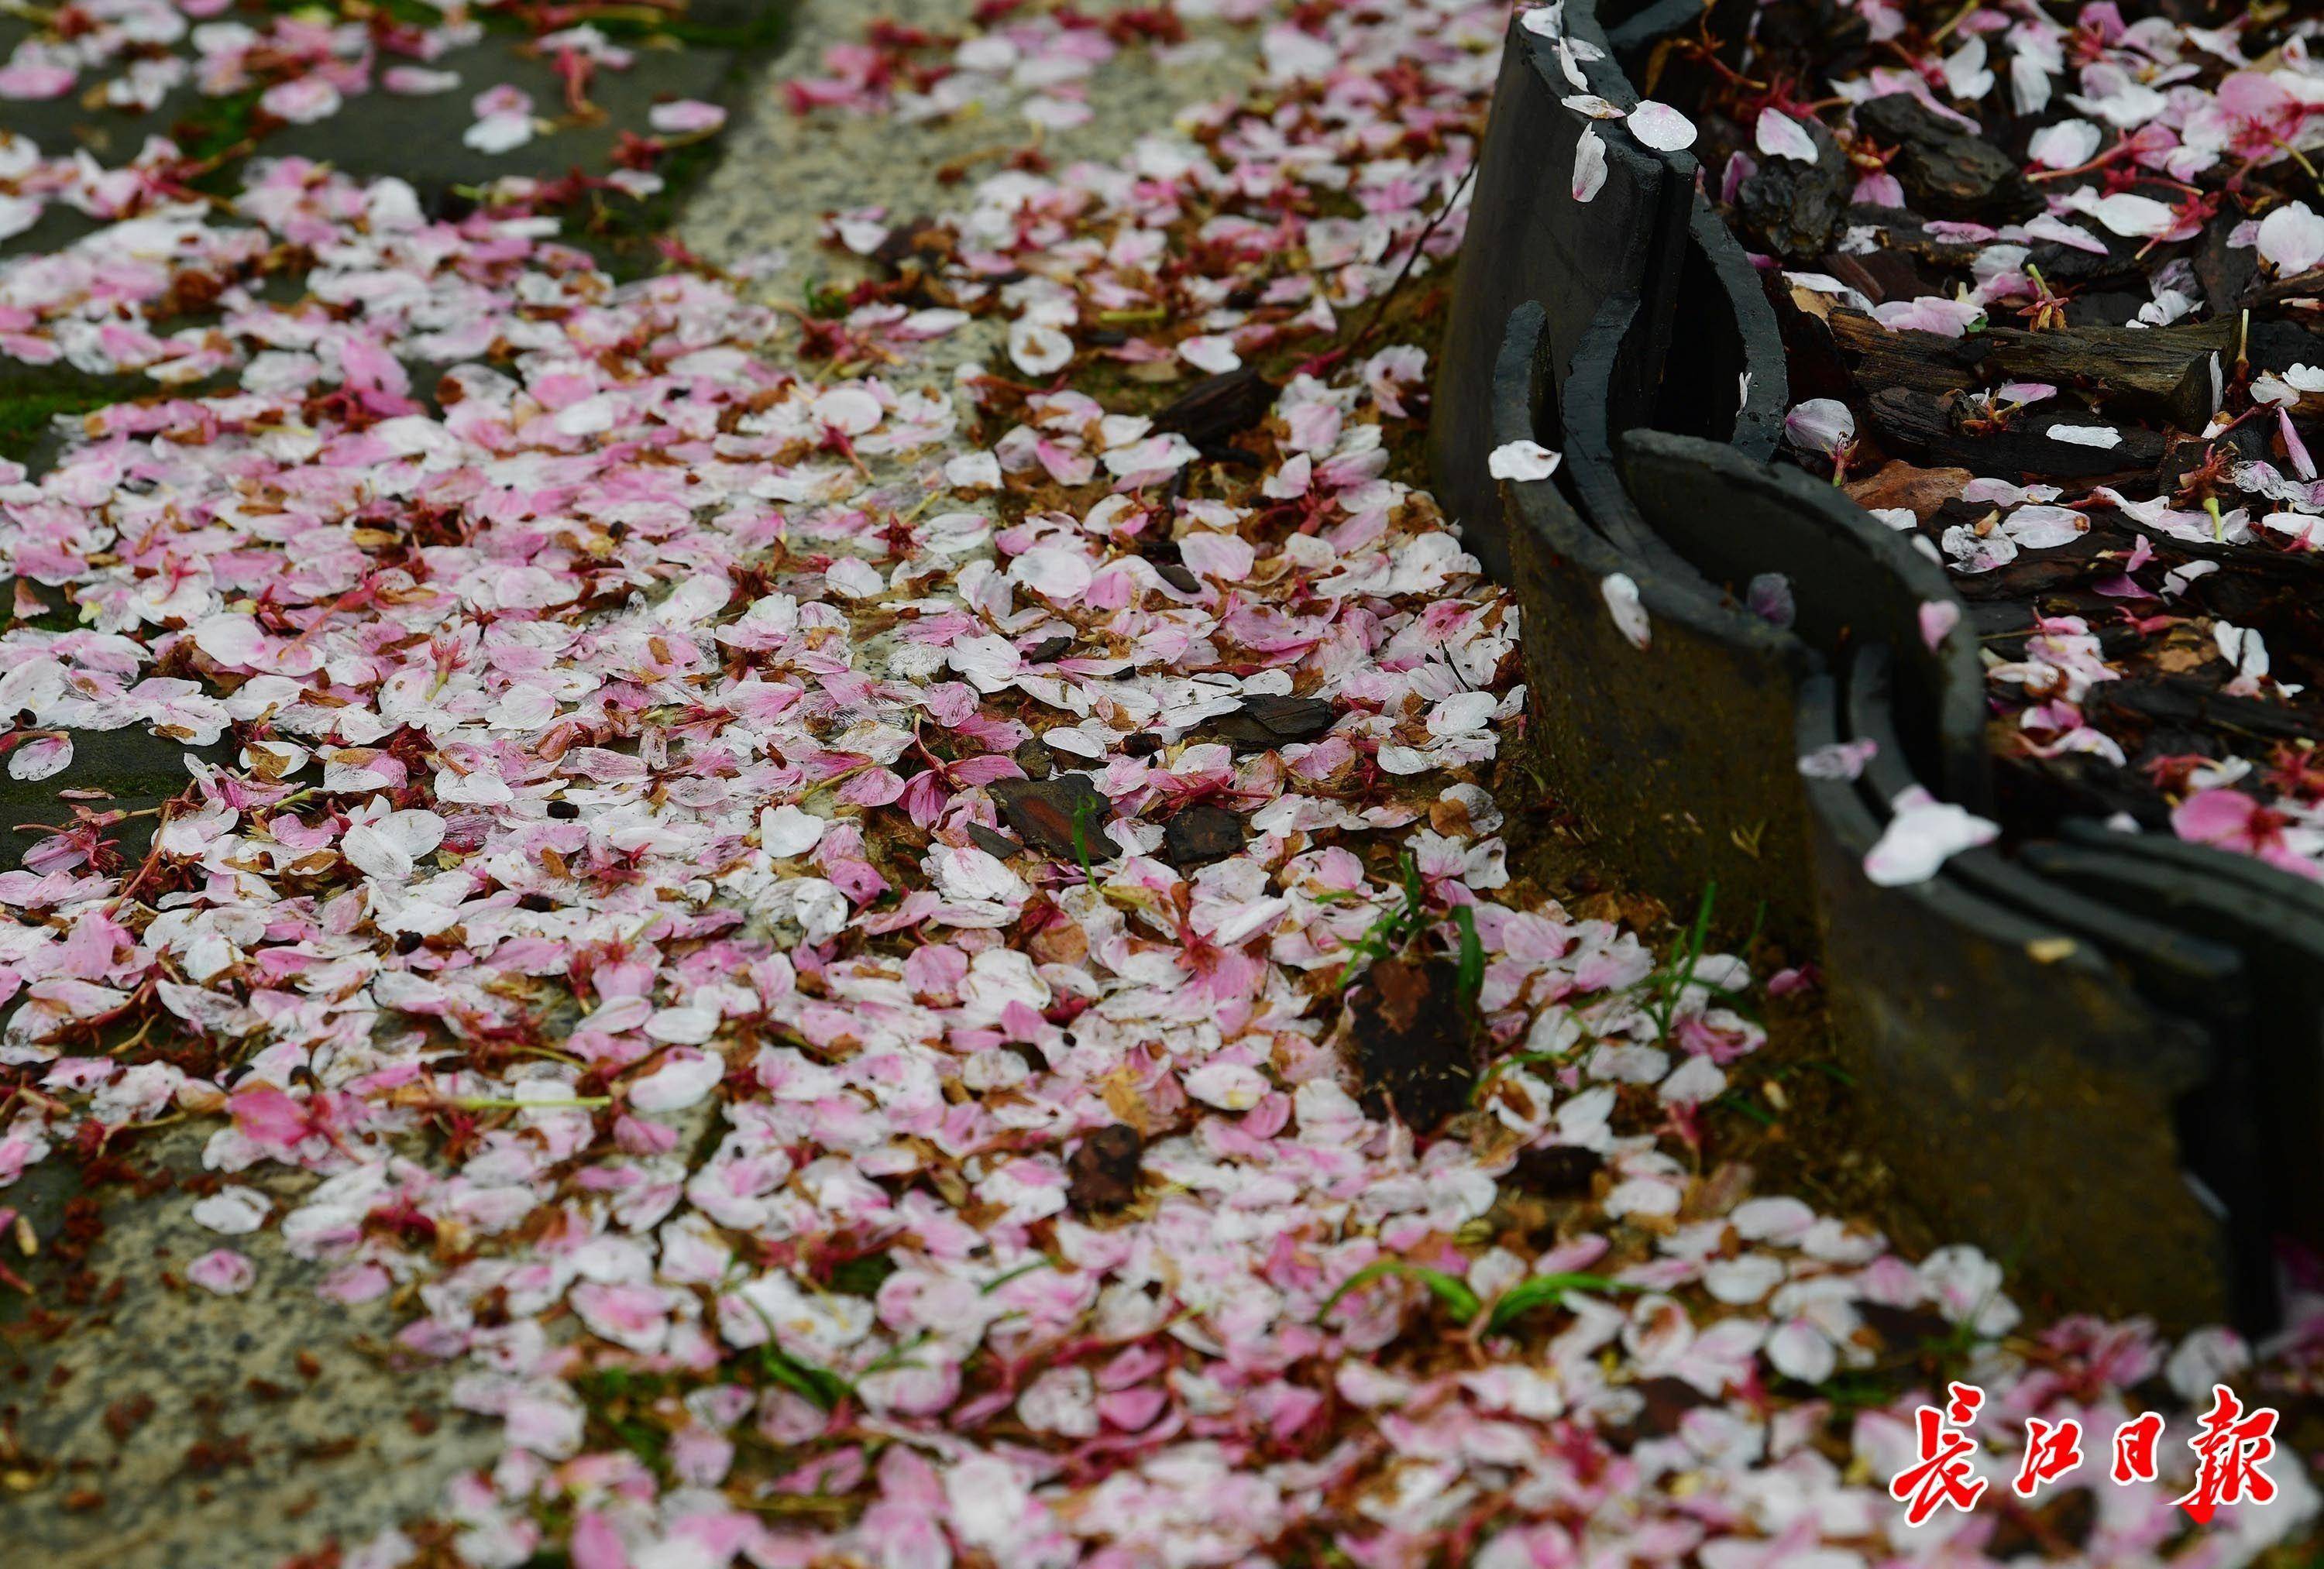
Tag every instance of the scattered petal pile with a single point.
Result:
(2064, 263)
(910, 964)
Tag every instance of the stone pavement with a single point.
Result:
(144, 1415)
(145, 1422)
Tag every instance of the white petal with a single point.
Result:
(1039, 350)
(2029, 83)
(2068, 144)
(2043, 528)
(786, 831)
(499, 133)
(1229, 1086)
(41, 758)
(1965, 73)
(1920, 837)
(1462, 713)
(2241, 647)
(2134, 217)
(1741, 1281)
(2292, 239)
(1629, 614)
(1838, 760)
(1589, 164)
(370, 852)
(230, 640)
(688, 1024)
(849, 410)
(1783, 1220)
(1212, 352)
(1053, 573)
(1661, 128)
(1571, 67)
(1799, 1350)
(415, 832)
(1823, 424)
(234, 1211)
(1521, 460)
(682, 1081)
(685, 116)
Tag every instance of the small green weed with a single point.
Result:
(1455, 1294)
(1545, 1291)
(1085, 810)
(1471, 980)
(820, 1386)
(1394, 929)
(1667, 986)
(1462, 1300)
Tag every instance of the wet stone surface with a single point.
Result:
(150, 1423)
(146, 1420)
(129, 771)
(706, 54)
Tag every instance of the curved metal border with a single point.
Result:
(1647, 234)
(2102, 1058)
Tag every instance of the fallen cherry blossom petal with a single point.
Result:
(1522, 460)
(1661, 128)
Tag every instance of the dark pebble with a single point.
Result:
(1273, 721)
(1558, 1172)
(991, 843)
(1201, 834)
(1046, 813)
(1035, 758)
(1104, 1170)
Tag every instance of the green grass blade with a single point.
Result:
(1545, 1291)
(1456, 1296)
(1472, 957)
(821, 1386)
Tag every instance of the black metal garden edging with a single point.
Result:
(2100, 1057)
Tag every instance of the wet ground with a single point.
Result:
(145, 1421)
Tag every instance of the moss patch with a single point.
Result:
(28, 417)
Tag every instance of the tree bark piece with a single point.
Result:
(1919, 427)
(1950, 173)
(1927, 362)
(2173, 372)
